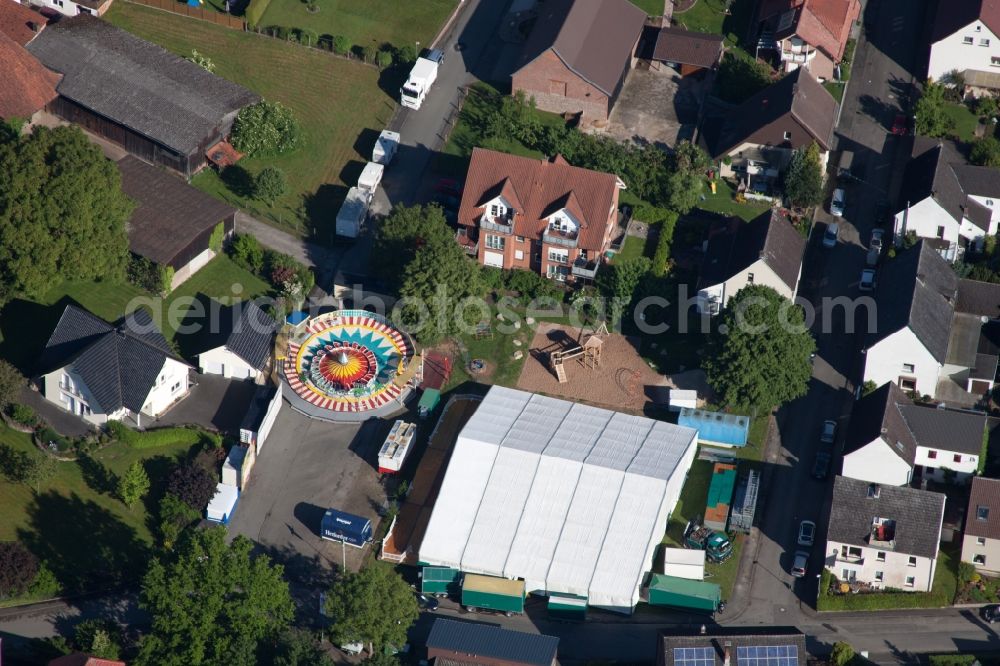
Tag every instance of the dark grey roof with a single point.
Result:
(768, 237)
(136, 83)
(918, 515)
(953, 16)
(978, 181)
(594, 38)
(945, 429)
(252, 336)
(484, 640)
(963, 344)
(717, 639)
(687, 47)
(876, 416)
(985, 493)
(937, 170)
(794, 98)
(917, 289)
(118, 363)
(978, 298)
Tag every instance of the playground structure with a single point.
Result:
(590, 351)
(347, 364)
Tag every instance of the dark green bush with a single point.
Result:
(24, 415)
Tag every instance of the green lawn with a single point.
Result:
(965, 120)
(724, 202)
(632, 248)
(339, 104)
(363, 22)
(74, 524)
(651, 7)
(21, 342)
(836, 89)
(711, 16)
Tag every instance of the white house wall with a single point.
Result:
(924, 219)
(171, 386)
(885, 359)
(762, 275)
(994, 206)
(953, 53)
(895, 568)
(190, 268)
(877, 463)
(945, 459)
(69, 8)
(989, 550)
(221, 361)
(79, 393)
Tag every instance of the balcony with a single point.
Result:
(585, 269)
(883, 534)
(500, 225)
(561, 238)
(470, 246)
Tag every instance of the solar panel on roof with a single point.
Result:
(694, 656)
(767, 655)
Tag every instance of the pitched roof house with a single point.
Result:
(946, 201)
(471, 643)
(808, 33)
(157, 105)
(965, 37)
(26, 86)
(248, 343)
(892, 441)
(767, 250)
(687, 51)
(20, 23)
(81, 659)
(760, 134)
(733, 646)
(578, 55)
(121, 371)
(172, 223)
(886, 536)
(540, 215)
(981, 539)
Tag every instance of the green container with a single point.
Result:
(489, 593)
(567, 606)
(440, 580)
(428, 402)
(682, 593)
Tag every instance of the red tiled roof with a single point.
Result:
(542, 187)
(826, 24)
(81, 659)
(25, 84)
(16, 20)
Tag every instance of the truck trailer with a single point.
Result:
(440, 581)
(716, 546)
(385, 147)
(685, 594)
(352, 213)
(422, 77)
(490, 593)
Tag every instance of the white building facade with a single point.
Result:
(902, 359)
(973, 47)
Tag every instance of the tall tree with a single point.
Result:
(212, 603)
(18, 568)
(931, 119)
(686, 177)
(192, 484)
(62, 212)
(38, 468)
(758, 356)
(804, 179)
(298, 647)
(405, 230)
(11, 383)
(986, 152)
(133, 484)
(373, 606)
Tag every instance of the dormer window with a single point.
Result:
(982, 512)
(788, 136)
(873, 490)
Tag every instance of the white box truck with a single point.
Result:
(352, 214)
(421, 78)
(385, 147)
(370, 177)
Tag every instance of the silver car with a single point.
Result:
(800, 565)
(837, 202)
(807, 533)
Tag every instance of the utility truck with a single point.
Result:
(422, 77)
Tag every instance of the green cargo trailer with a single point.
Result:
(567, 606)
(489, 593)
(428, 403)
(683, 593)
(440, 581)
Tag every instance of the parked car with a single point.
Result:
(428, 603)
(867, 282)
(807, 533)
(990, 613)
(829, 432)
(900, 125)
(831, 235)
(837, 202)
(435, 55)
(821, 465)
(876, 240)
(800, 564)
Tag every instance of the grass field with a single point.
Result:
(363, 22)
(632, 248)
(26, 325)
(711, 16)
(339, 104)
(965, 121)
(724, 202)
(651, 7)
(74, 523)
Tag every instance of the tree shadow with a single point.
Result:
(83, 543)
(321, 210)
(25, 327)
(238, 180)
(98, 478)
(157, 469)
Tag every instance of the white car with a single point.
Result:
(829, 432)
(807, 533)
(837, 202)
(800, 564)
(867, 282)
(876, 242)
(831, 235)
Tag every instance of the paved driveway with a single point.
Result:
(305, 467)
(215, 403)
(657, 106)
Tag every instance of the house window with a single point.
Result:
(850, 552)
(989, 202)
(980, 541)
(560, 257)
(83, 10)
(788, 136)
(995, 61)
(909, 368)
(967, 40)
(873, 490)
(979, 559)
(494, 210)
(908, 383)
(494, 242)
(518, 255)
(519, 239)
(912, 561)
(880, 556)
(176, 387)
(956, 458)
(983, 41)
(910, 580)
(979, 28)
(932, 454)
(982, 512)
(879, 576)
(749, 278)
(940, 232)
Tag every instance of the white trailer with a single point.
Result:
(370, 177)
(396, 447)
(352, 214)
(421, 78)
(385, 148)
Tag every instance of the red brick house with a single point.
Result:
(26, 86)
(541, 215)
(808, 33)
(578, 55)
